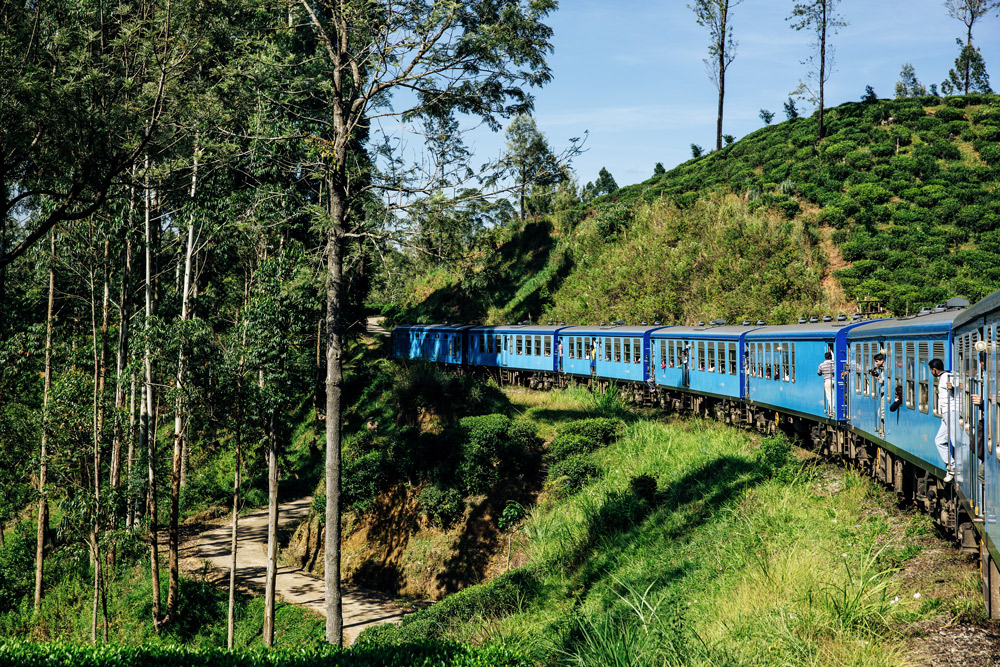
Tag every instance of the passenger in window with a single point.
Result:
(593, 359)
(827, 369)
(899, 398)
(878, 369)
(559, 355)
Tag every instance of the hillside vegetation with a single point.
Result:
(897, 203)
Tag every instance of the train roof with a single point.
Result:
(432, 327)
(609, 330)
(987, 305)
(723, 331)
(915, 325)
(517, 328)
(805, 330)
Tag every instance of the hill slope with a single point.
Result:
(897, 203)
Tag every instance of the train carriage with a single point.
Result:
(440, 343)
(517, 347)
(702, 359)
(782, 365)
(904, 381)
(977, 367)
(610, 352)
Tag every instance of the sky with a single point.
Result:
(632, 73)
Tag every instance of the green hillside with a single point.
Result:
(897, 203)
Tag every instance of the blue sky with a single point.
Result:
(632, 74)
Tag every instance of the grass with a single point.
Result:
(746, 555)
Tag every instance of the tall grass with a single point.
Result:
(735, 559)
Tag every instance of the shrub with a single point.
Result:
(599, 430)
(571, 474)
(442, 507)
(990, 155)
(774, 453)
(492, 447)
(568, 444)
(949, 113)
(869, 194)
(361, 480)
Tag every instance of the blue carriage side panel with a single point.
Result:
(704, 360)
(983, 321)
(908, 345)
(783, 363)
(608, 352)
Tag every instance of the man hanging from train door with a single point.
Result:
(826, 369)
(946, 407)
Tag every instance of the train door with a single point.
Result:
(505, 353)
(977, 416)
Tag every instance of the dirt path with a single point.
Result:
(207, 554)
(374, 326)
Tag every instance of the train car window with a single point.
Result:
(967, 361)
(785, 377)
(607, 349)
(923, 377)
(548, 346)
(793, 362)
(663, 351)
(518, 344)
(864, 370)
(538, 346)
(700, 356)
(910, 384)
(752, 370)
(856, 367)
(722, 358)
(579, 347)
(710, 361)
(636, 351)
(732, 359)
(618, 350)
(767, 361)
(760, 360)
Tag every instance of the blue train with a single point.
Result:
(928, 429)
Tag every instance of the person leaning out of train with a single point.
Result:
(878, 368)
(947, 407)
(827, 369)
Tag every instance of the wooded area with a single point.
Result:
(214, 183)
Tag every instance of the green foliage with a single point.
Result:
(441, 506)
(600, 431)
(498, 598)
(569, 475)
(491, 448)
(644, 487)
(445, 654)
(568, 444)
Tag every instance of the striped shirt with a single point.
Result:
(826, 369)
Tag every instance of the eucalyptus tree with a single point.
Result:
(477, 57)
(714, 16)
(821, 18)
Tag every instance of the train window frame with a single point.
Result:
(792, 361)
(710, 356)
(964, 354)
(723, 358)
(518, 345)
(700, 356)
(538, 346)
(909, 377)
(663, 352)
(856, 367)
(752, 363)
(733, 360)
(636, 351)
(768, 361)
(618, 350)
(938, 353)
(548, 346)
(607, 348)
(760, 361)
(785, 375)
(923, 376)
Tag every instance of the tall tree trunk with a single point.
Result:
(121, 359)
(272, 529)
(334, 382)
(173, 583)
(43, 505)
(146, 434)
(231, 616)
(100, 374)
(822, 67)
(129, 491)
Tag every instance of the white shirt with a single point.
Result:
(946, 399)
